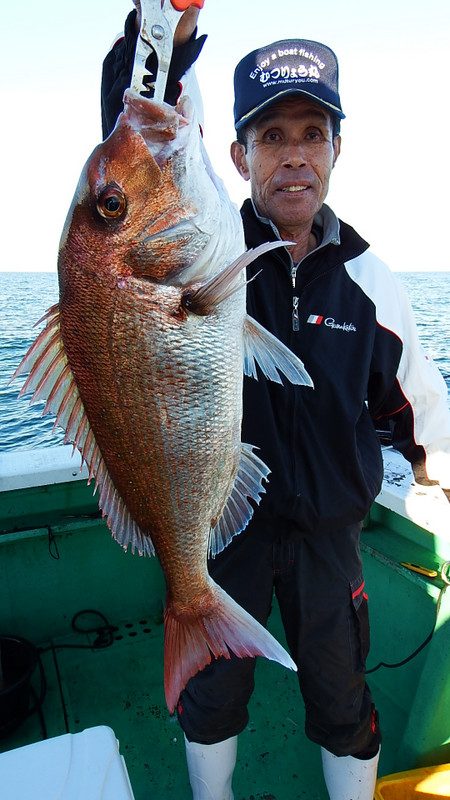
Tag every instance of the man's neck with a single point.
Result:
(324, 230)
(305, 242)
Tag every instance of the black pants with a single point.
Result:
(320, 590)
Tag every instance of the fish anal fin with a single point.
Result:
(210, 628)
(238, 510)
(271, 355)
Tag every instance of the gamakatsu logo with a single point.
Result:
(344, 326)
(317, 319)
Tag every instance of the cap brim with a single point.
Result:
(250, 115)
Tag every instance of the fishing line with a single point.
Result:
(104, 633)
(394, 665)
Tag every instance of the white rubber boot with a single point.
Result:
(211, 768)
(349, 778)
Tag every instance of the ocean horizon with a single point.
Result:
(25, 297)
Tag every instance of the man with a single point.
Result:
(340, 309)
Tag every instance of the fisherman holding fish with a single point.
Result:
(340, 310)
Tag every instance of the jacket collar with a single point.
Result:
(337, 240)
(326, 226)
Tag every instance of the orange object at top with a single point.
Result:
(182, 5)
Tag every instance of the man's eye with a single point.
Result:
(272, 136)
(314, 136)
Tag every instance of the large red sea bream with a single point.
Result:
(142, 361)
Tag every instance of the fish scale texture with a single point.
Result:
(165, 407)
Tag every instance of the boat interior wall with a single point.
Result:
(44, 466)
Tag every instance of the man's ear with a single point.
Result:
(336, 148)
(239, 158)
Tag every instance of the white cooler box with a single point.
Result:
(79, 766)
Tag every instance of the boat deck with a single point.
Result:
(121, 686)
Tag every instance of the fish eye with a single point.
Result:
(111, 203)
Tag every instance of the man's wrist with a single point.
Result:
(186, 26)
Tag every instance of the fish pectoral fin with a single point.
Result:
(238, 511)
(51, 379)
(272, 356)
(204, 300)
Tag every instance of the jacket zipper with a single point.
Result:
(295, 300)
(295, 317)
(295, 328)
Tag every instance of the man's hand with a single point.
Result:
(186, 25)
(420, 477)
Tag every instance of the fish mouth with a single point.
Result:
(145, 112)
(164, 129)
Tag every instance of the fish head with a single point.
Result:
(148, 203)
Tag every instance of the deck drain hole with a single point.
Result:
(132, 633)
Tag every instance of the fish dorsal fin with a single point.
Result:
(238, 511)
(271, 355)
(119, 520)
(50, 378)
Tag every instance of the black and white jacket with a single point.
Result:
(347, 317)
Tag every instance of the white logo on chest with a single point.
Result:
(341, 326)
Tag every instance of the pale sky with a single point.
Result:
(391, 180)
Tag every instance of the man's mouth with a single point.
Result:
(294, 188)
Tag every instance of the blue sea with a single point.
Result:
(24, 298)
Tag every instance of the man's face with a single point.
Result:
(288, 160)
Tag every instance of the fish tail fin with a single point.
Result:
(216, 627)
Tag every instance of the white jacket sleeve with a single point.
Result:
(418, 376)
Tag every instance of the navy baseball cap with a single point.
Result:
(290, 66)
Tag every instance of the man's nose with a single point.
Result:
(293, 155)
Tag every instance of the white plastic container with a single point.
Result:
(79, 766)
